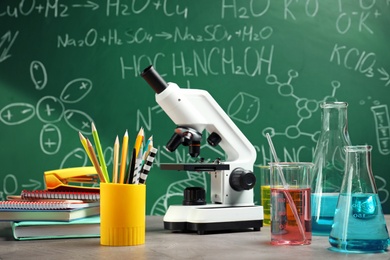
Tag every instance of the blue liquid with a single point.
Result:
(322, 212)
(359, 224)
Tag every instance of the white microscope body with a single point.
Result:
(194, 111)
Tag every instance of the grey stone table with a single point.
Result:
(163, 244)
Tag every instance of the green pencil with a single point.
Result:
(100, 153)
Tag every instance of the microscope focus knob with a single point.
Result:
(194, 196)
(241, 179)
(214, 139)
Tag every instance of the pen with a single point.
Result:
(95, 161)
(138, 166)
(115, 161)
(148, 165)
(130, 172)
(100, 152)
(125, 144)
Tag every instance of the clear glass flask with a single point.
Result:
(329, 163)
(359, 224)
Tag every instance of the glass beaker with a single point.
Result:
(329, 163)
(265, 193)
(359, 224)
(290, 203)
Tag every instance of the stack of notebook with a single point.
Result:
(45, 214)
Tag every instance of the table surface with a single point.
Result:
(164, 244)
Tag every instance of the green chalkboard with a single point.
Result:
(269, 64)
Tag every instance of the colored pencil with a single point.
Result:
(85, 145)
(125, 144)
(95, 162)
(115, 161)
(148, 146)
(138, 141)
(100, 152)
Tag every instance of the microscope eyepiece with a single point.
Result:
(154, 79)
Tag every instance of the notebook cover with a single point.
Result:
(48, 215)
(33, 230)
(45, 204)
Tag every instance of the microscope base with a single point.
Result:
(213, 218)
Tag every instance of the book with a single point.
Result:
(15, 202)
(45, 215)
(67, 195)
(82, 228)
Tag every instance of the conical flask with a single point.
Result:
(359, 224)
(329, 163)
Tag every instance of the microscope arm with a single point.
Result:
(197, 109)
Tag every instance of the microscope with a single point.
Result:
(232, 181)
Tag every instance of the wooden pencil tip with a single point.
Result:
(88, 142)
(81, 136)
(93, 126)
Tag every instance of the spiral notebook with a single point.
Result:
(43, 204)
(49, 214)
(50, 205)
(65, 195)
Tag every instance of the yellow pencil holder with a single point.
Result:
(122, 214)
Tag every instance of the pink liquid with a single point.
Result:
(284, 227)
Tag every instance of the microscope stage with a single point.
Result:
(199, 167)
(213, 218)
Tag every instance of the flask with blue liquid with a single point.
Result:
(359, 224)
(329, 163)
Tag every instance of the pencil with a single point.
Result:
(115, 161)
(138, 141)
(95, 161)
(148, 146)
(100, 152)
(125, 144)
(85, 145)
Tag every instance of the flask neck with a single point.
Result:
(334, 118)
(358, 173)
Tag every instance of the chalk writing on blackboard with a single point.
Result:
(50, 139)
(6, 42)
(382, 190)
(38, 75)
(244, 108)
(305, 107)
(50, 110)
(382, 128)
(16, 113)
